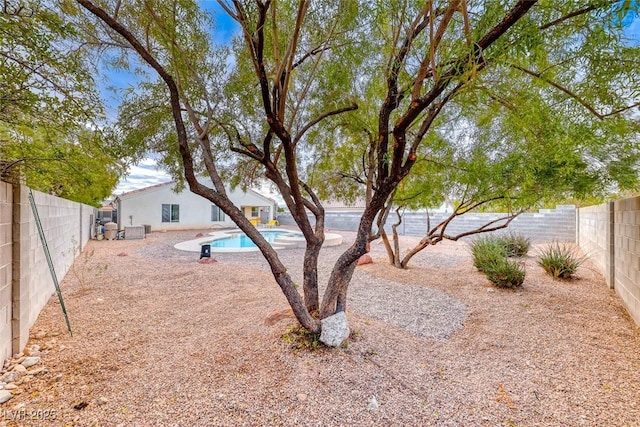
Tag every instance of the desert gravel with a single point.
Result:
(162, 340)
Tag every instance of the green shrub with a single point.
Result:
(505, 273)
(516, 244)
(486, 251)
(560, 260)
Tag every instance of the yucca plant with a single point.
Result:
(486, 251)
(505, 273)
(516, 245)
(560, 260)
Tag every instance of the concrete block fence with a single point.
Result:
(610, 235)
(25, 280)
(545, 225)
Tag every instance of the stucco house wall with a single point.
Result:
(144, 207)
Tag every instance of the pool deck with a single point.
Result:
(293, 239)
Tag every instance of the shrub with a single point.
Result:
(560, 260)
(516, 245)
(505, 273)
(486, 251)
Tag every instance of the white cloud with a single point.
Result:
(145, 174)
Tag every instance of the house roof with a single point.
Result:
(134, 193)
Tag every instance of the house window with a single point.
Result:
(170, 213)
(255, 211)
(216, 214)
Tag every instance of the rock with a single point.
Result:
(373, 404)
(199, 235)
(20, 368)
(122, 254)
(103, 401)
(301, 397)
(10, 386)
(364, 259)
(9, 377)
(57, 378)
(35, 347)
(30, 361)
(335, 329)
(207, 260)
(5, 396)
(41, 334)
(37, 371)
(277, 316)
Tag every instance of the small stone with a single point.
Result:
(20, 368)
(57, 378)
(35, 347)
(20, 359)
(2, 385)
(10, 377)
(301, 397)
(41, 334)
(103, 401)
(335, 329)
(373, 404)
(27, 379)
(30, 361)
(10, 386)
(199, 235)
(100, 299)
(364, 259)
(207, 260)
(37, 371)
(5, 396)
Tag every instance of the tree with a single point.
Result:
(408, 63)
(50, 109)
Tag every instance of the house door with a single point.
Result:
(264, 215)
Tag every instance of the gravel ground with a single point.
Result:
(160, 339)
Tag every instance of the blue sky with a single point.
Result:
(146, 173)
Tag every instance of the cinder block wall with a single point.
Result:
(6, 257)
(546, 225)
(594, 235)
(66, 226)
(627, 253)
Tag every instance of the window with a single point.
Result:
(170, 213)
(216, 214)
(255, 212)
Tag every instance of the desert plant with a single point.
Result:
(505, 273)
(301, 339)
(560, 260)
(486, 251)
(516, 245)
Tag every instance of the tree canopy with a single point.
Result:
(50, 110)
(507, 100)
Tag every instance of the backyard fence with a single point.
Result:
(25, 279)
(609, 234)
(545, 225)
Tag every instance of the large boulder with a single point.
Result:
(335, 329)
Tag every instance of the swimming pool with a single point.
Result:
(243, 241)
(236, 241)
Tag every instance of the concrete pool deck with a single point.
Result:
(292, 239)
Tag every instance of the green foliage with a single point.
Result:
(505, 273)
(486, 251)
(300, 338)
(515, 244)
(560, 260)
(490, 256)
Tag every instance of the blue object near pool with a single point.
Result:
(243, 241)
(237, 241)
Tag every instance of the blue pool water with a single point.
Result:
(242, 241)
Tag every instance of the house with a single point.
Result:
(161, 208)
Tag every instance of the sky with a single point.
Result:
(146, 173)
